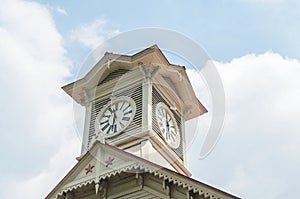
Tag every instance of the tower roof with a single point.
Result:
(152, 56)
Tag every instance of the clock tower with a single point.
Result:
(133, 142)
(139, 104)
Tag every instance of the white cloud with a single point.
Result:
(57, 9)
(35, 115)
(61, 10)
(93, 34)
(258, 153)
(267, 85)
(38, 186)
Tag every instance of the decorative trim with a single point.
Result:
(167, 180)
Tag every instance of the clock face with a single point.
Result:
(167, 125)
(115, 116)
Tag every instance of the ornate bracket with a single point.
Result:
(68, 195)
(149, 70)
(139, 180)
(189, 195)
(103, 188)
(84, 97)
(178, 73)
(166, 187)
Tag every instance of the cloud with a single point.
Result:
(39, 185)
(258, 153)
(93, 34)
(58, 9)
(61, 11)
(36, 116)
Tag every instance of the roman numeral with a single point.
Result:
(115, 128)
(164, 112)
(128, 112)
(126, 118)
(172, 128)
(160, 117)
(122, 125)
(126, 108)
(105, 127)
(168, 136)
(110, 128)
(107, 116)
(122, 105)
(103, 122)
(173, 132)
(172, 138)
(160, 124)
(160, 112)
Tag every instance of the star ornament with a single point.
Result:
(109, 161)
(89, 169)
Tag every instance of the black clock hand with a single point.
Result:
(167, 123)
(114, 117)
(114, 121)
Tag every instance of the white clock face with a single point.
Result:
(115, 116)
(167, 125)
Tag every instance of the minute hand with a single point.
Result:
(114, 121)
(167, 123)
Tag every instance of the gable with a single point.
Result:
(110, 62)
(112, 173)
(114, 75)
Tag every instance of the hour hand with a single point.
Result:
(114, 117)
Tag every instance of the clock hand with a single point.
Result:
(114, 121)
(115, 115)
(167, 123)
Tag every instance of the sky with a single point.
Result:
(254, 44)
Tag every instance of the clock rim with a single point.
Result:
(178, 137)
(104, 109)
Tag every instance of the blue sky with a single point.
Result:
(254, 45)
(226, 29)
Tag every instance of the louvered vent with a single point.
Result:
(113, 75)
(135, 93)
(156, 98)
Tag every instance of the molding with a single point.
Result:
(147, 105)
(85, 135)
